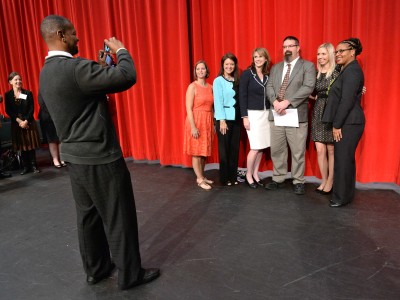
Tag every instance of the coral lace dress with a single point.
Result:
(203, 118)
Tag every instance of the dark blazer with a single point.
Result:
(24, 110)
(74, 92)
(344, 98)
(301, 85)
(252, 92)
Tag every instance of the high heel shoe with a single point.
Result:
(317, 190)
(258, 182)
(252, 185)
(326, 193)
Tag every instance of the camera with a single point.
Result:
(106, 48)
(109, 60)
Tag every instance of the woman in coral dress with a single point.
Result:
(199, 124)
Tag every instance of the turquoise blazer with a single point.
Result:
(224, 100)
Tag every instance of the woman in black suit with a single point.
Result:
(24, 133)
(344, 111)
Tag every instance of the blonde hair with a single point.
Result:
(331, 58)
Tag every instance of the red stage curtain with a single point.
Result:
(167, 37)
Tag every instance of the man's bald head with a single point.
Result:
(51, 25)
(59, 34)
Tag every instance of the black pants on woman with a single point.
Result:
(344, 183)
(228, 151)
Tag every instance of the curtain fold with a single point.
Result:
(166, 38)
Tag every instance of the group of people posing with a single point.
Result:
(257, 95)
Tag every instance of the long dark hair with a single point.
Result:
(235, 71)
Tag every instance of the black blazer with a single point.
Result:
(252, 92)
(24, 110)
(344, 98)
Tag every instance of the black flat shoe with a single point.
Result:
(93, 280)
(58, 166)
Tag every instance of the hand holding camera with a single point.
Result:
(110, 47)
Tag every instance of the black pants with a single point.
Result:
(106, 218)
(228, 151)
(344, 183)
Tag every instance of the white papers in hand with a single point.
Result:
(290, 119)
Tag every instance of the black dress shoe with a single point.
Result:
(4, 175)
(273, 185)
(145, 276)
(334, 204)
(299, 189)
(93, 280)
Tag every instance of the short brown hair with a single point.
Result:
(195, 66)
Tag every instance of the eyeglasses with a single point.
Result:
(289, 46)
(340, 51)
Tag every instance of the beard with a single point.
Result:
(288, 55)
(74, 50)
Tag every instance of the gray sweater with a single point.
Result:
(74, 92)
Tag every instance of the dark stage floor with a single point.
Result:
(228, 243)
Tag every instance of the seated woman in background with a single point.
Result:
(199, 124)
(227, 114)
(50, 134)
(25, 136)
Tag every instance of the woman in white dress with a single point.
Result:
(254, 109)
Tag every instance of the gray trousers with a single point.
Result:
(296, 138)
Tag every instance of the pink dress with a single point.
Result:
(203, 118)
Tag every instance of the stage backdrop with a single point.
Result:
(166, 37)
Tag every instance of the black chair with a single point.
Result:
(10, 159)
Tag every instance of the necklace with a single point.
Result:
(229, 78)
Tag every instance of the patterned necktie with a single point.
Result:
(284, 85)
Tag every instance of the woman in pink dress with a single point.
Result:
(199, 124)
